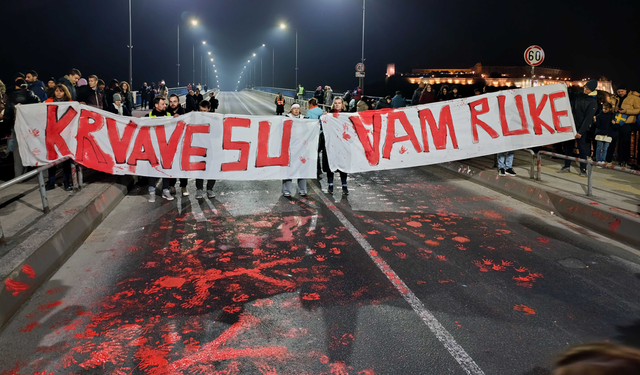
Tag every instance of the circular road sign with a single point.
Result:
(360, 68)
(534, 55)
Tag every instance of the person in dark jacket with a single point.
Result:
(91, 95)
(415, 99)
(384, 103)
(584, 109)
(127, 95)
(51, 86)
(159, 110)
(455, 94)
(70, 80)
(35, 85)
(319, 95)
(606, 130)
(398, 100)
(427, 96)
(118, 107)
(60, 94)
(444, 94)
(191, 102)
(20, 96)
(279, 102)
(144, 96)
(175, 110)
(112, 89)
(214, 102)
(199, 98)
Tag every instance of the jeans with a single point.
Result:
(66, 169)
(287, 185)
(601, 151)
(582, 151)
(505, 160)
(343, 178)
(18, 168)
(183, 182)
(153, 181)
(200, 184)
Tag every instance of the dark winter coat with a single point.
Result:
(415, 99)
(125, 111)
(604, 125)
(214, 104)
(382, 104)
(38, 89)
(94, 98)
(584, 109)
(21, 96)
(178, 111)
(191, 103)
(279, 107)
(319, 95)
(70, 86)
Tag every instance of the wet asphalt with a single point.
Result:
(251, 282)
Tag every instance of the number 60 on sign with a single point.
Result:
(534, 55)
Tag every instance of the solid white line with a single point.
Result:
(458, 353)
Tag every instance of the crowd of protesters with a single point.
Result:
(116, 98)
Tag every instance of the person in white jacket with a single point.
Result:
(302, 183)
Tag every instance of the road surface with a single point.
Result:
(417, 271)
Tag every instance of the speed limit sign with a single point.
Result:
(360, 68)
(534, 55)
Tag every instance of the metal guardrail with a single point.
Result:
(590, 164)
(532, 174)
(76, 175)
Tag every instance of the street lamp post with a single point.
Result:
(130, 51)
(273, 66)
(363, 23)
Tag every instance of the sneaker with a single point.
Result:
(166, 194)
(199, 194)
(319, 177)
(345, 191)
(510, 172)
(152, 197)
(211, 194)
(565, 170)
(501, 172)
(185, 192)
(286, 194)
(303, 193)
(330, 189)
(172, 190)
(583, 173)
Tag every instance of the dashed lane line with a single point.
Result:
(457, 352)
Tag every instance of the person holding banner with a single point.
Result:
(584, 109)
(159, 110)
(302, 182)
(204, 106)
(60, 94)
(337, 107)
(175, 109)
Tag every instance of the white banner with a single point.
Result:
(195, 145)
(447, 131)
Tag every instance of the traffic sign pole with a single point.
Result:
(534, 56)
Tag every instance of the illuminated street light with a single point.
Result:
(283, 26)
(264, 45)
(204, 42)
(209, 53)
(254, 55)
(211, 59)
(194, 22)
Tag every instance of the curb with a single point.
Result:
(609, 221)
(50, 255)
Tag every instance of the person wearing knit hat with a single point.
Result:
(626, 106)
(117, 107)
(51, 87)
(584, 109)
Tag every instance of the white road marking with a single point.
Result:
(244, 105)
(459, 354)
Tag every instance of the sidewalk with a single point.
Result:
(37, 243)
(613, 210)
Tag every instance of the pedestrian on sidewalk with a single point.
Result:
(279, 104)
(163, 91)
(214, 102)
(606, 129)
(198, 97)
(300, 93)
(191, 102)
(204, 106)
(584, 109)
(415, 99)
(60, 94)
(302, 182)
(319, 95)
(505, 164)
(626, 109)
(91, 95)
(159, 110)
(337, 107)
(384, 103)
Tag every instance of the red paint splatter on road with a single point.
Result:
(49, 306)
(27, 270)
(543, 240)
(614, 225)
(414, 224)
(492, 215)
(526, 309)
(16, 286)
(526, 248)
(432, 243)
(171, 282)
(461, 239)
(29, 327)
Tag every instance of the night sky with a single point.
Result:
(591, 39)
